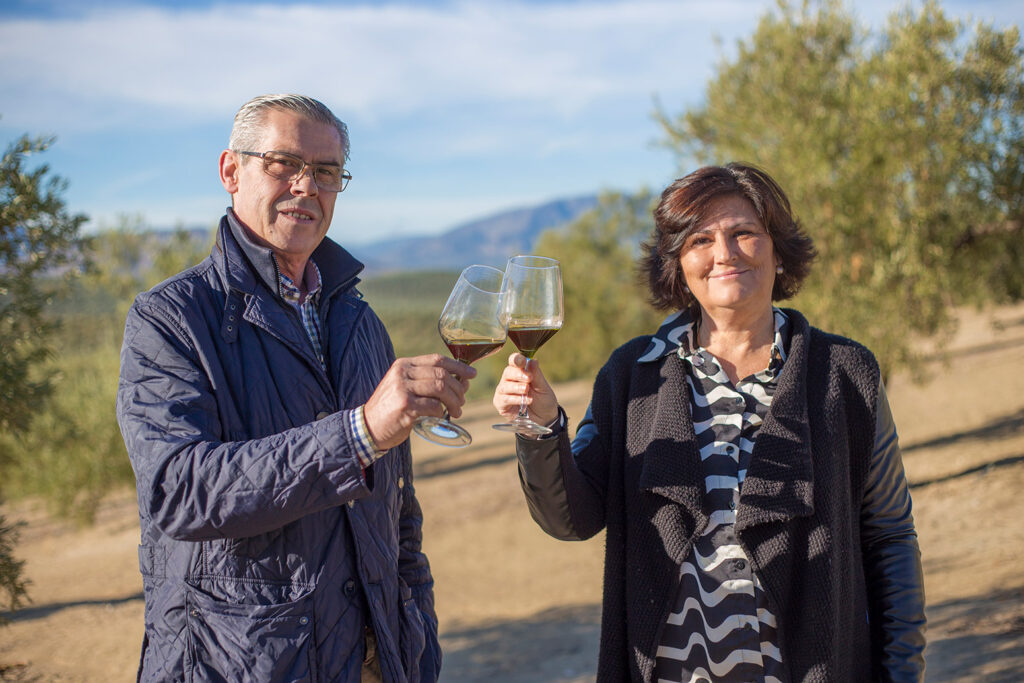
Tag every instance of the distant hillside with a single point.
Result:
(489, 240)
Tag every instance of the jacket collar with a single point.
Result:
(246, 263)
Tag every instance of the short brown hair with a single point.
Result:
(683, 207)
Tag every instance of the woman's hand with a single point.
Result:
(523, 377)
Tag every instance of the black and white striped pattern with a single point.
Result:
(720, 627)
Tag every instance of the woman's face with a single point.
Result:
(729, 261)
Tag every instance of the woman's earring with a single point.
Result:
(779, 269)
(686, 289)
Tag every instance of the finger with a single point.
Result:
(509, 404)
(515, 373)
(518, 360)
(444, 387)
(516, 387)
(457, 368)
(438, 384)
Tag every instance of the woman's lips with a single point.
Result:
(731, 273)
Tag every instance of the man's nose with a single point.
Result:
(303, 183)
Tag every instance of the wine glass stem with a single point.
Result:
(523, 414)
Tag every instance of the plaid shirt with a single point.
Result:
(366, 449)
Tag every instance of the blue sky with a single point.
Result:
(456, 109)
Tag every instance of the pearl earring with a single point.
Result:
(686, 289)
(779, 269)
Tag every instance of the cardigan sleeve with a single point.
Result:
(563, 496)
(892, 558)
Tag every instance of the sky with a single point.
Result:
(456, 109)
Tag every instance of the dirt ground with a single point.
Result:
(518, 606)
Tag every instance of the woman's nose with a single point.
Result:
(724, 248)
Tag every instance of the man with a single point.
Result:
(267, 424)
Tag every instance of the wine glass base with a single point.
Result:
(442, 432)
(524, 426)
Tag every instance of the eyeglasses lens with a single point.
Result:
(288, 167)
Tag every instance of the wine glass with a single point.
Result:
(472, 328)
(532, 312)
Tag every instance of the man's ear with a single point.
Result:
(229, 169)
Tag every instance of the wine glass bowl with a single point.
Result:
(472, 328)
(532, 311)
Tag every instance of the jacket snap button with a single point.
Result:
(322, 414)
(303, 620)
(349, 587)
(194, 612)
(401, 482)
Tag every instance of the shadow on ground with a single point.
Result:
(985, 467)
(999, 428)
(558, 644)
(42, 611)
(974, 635)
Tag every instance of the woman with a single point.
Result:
(743, 464)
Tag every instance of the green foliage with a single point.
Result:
(902, 153)
(409, 304)
(71, 454)
(604, 302)
(11, 582)
(38, 238)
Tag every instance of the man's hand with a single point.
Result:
(522, 377)
(414, 387)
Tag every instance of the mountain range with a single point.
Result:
(490, 240)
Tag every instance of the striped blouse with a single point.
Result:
(719, 627)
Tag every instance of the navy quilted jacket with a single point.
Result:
(265, 551)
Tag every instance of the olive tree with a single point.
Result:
(39, 245)
(902, 151)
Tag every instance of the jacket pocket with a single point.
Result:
(243, 642)
(412, 636)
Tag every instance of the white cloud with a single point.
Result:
(370, 61)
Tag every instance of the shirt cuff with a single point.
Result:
(366, 449)
(556, 426)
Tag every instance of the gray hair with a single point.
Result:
(246, 131)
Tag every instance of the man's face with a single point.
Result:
(289, 217)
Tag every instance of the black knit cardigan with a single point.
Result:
(798, 515)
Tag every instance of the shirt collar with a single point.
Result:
(338, 268)
(310, 278)
(677, 334)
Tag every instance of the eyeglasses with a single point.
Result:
(284, 166)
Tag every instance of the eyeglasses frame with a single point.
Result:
(345, 175)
